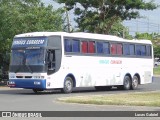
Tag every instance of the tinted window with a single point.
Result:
(106, 48)
(68, 45)
(143, 50)
(91, 47)
(132, 49)
(113, 49)
(76, 46)
(119, 49)
(148, 51)
(126, 50)
(116, 49)
(84, 46)
(138, 49)
(103, 47)
(99, 47)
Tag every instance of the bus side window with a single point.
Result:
(84, 46)
(113, 49)
(76, 46)
(138, 49)
(68, 45)
(119, 49)
(91, 46)
(106, 48)
(132, 49)
(143, 50)
(126, 50)
(148, 50)
(99, 47)
(116, 49)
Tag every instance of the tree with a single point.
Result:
(100, 15)
(21, 16)
(146, 36)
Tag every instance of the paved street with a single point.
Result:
(26, 100)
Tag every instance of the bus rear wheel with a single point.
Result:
(134, 83)
(127, 83)
(68, 85)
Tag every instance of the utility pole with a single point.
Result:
(137, 26)
(158, 29)
(124, 30)
(68, 20)
(148, 24)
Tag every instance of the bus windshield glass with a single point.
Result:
(28, 57)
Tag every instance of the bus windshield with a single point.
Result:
(28, 57)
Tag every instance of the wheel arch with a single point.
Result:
(73, 78)
(128, 74)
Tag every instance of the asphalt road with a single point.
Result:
(27, 100)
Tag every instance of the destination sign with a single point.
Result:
(26, 42)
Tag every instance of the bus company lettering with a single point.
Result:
(104, 61)
(28, 42)
(35, 42)
(116, 62)
(110, 62)
(19, 42)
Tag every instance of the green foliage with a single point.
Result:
(21, 16)
(128, 99)
(100, 15)
(156, 70)
(146, 36)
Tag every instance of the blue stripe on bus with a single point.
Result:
(29, 83)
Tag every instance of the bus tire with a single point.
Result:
(68, 85)
(134, 83)
(127, 83)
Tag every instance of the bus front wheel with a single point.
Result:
(68, 85)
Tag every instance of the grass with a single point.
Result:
(156, 70)
(132, 99)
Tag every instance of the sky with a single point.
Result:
(150, 23)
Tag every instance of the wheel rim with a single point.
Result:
(127, 83)
(68, 85)
(135, 83)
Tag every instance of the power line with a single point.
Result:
(142, 26)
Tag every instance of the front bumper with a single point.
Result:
(27, 83)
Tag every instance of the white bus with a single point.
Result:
(60, 60)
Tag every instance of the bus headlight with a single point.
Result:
(42, 77)
(12, 77)
(38, 77)
(11, 82)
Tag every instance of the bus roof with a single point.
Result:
(83, 35)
